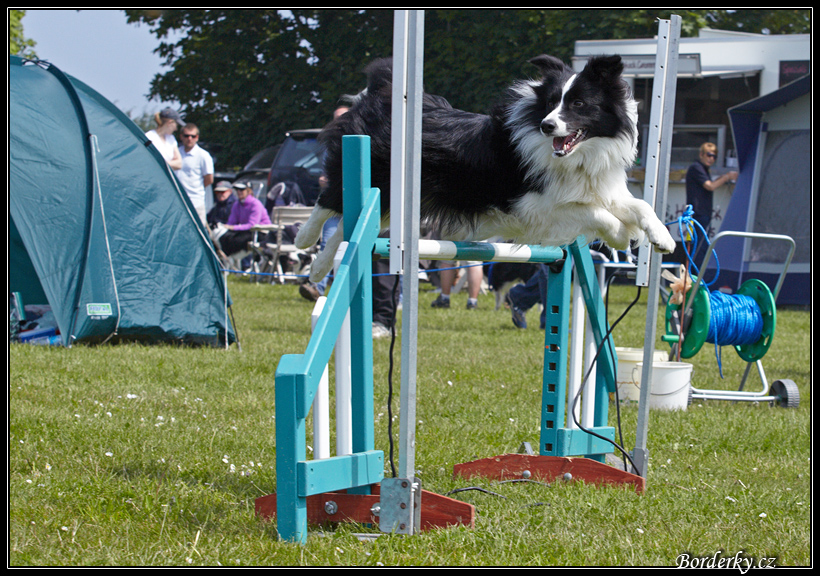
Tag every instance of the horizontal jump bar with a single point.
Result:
(480, 251)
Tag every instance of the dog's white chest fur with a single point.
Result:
(557, 216)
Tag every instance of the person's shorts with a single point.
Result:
(458, 263)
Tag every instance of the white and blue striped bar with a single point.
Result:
(479, 251)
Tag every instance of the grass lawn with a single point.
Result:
(153, 455)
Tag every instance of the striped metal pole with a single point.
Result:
(481, 251)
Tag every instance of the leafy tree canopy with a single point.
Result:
(19, 45)
(247, 76)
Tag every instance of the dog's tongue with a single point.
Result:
(558, 143)
(562, 145)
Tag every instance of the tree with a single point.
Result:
(19, 45)
(247, 76)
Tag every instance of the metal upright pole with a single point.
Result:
(400, 509)
(659, 147)
(398, 140)
(410, 280)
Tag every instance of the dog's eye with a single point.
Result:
(578, 103)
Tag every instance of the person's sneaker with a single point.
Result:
(518, 317)
(440, 302)
(309, 292)
(472, 305)
(380, 330)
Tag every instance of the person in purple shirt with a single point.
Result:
(246, 213)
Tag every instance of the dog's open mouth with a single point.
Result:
(563, 145)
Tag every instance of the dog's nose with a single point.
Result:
(548, 126)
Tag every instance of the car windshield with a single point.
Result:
(263, 159)
(300, 161)
(300, 153)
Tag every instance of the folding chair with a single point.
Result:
(276, 245)
(232, 262)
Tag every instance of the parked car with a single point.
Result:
(215, 150)
(255, 172)
(299, 161)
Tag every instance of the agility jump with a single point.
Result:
(357, 479)
(313, 489)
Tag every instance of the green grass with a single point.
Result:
(153, 455)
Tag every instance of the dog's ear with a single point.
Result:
(605, 67)
(379, 74)
(547, 64)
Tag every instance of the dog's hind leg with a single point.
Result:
(323, 263)
(311, 231)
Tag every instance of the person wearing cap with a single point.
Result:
(197, 171)
(168, 120)
(246, 213)
(223, 202)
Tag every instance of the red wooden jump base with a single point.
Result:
(437, 511)
(548, 469)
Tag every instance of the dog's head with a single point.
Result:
(593, 103)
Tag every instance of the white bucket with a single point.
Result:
(628, 388)
(670, 384)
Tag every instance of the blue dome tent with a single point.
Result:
(99, 228)
(772, 134)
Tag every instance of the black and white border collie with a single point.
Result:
(546, 166)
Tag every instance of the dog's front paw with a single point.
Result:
(660, 238)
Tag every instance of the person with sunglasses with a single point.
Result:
(700, 187)
(197, 170)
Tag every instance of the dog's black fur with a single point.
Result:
(504, 275)
(459, 183)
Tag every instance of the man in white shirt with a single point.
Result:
(197, 172)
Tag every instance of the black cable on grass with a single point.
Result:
(586, 378)
(491, 493)
(390, 376)
(617, 393)
(475, 489)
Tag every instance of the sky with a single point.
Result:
(102, 50)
